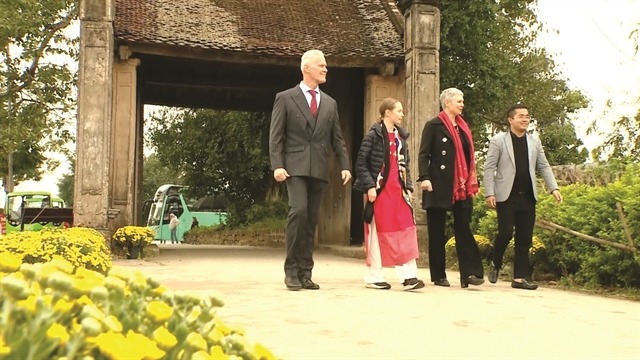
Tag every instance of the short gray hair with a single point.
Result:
(308, 56)
(448, 94)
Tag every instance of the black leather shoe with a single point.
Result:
(309, 285)
(523, 284)
(473, 280)
(493, 274)
(442, 282)
(292, 283)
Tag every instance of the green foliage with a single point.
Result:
(65, 185)
(82, 247)
(218, 151)
(488, 50)
(591, 210)
(157, 173)
(36, 83)
(54, 311)
(622, 143)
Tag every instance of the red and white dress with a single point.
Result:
(391, 238)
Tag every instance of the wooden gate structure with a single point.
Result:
(236, 55)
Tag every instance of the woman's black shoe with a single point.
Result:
(473, 280)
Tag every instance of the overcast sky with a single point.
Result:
(589, 39)
(592, 47)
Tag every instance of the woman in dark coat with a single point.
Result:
(448, 177)
(382, 174)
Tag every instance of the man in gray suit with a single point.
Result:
(304, 126)
(510, 187)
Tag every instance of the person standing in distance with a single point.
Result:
(304, 127)
(173, 226)
(510, 187)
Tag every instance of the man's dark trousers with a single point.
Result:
(305, 197)
(518, 211)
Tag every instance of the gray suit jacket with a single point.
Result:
(500, 166)
(295, 146)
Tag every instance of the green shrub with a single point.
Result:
(82, 247)
(51, 312)
(592, 210)
(484, 244)
(239, 216)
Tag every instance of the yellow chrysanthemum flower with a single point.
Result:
(164, 338)
(113, 324)
(57, 331)
(196, 341)
(222, 327)
(9, 262)
(143, 347)
(159, 311)
(194, 314)
(91, 326)
(29, 304)
(84, 300)
(114, 346)
(99, 293)
(138, 280)
(217, 353)
(86, 273)
(63, 306)
(62, 264)
(120, 272)
(115, 284)
(92, 311)
(215, 335)
(263, 353)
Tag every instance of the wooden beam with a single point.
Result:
(226, 56)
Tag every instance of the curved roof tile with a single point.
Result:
(349, 28)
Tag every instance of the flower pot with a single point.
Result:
(133, 252)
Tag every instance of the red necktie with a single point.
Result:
(314, 103)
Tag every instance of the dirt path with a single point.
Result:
(344, 320)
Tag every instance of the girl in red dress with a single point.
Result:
(382, 169)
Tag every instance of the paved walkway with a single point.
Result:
(345, 320)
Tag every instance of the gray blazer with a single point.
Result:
(294, 146)
(500, 166)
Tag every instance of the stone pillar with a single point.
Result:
(124, 144)
(91, 188)
(422, 81)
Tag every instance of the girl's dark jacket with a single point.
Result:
(372, 155)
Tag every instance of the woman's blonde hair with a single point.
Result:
(387, 104)
(448, 94)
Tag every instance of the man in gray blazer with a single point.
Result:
(304, 126)
(510, 187)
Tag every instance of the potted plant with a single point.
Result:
(133, 239)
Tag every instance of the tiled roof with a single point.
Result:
(342, 28)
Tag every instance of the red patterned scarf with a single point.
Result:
(465, 183)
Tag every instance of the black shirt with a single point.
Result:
(465, 145)
(522, 182)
